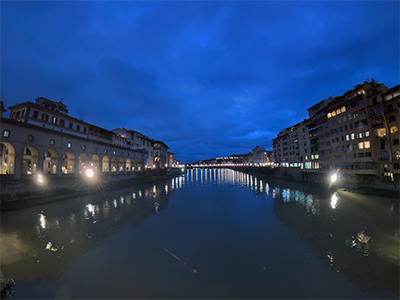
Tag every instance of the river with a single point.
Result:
(210, 234)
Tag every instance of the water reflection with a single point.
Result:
(355, 237)
(70, 228)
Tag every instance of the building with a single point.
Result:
(261, 157)
(356, 133)
(160, 154)
(41, 137)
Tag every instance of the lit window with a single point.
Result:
(343, 109)
(338, 111)
(352, 136)
(52, 142)
(394, 129)
(105, 151)
(329, 115)
(54, 120)
(69, 145)
(381, 132)
(113, 152)
(360, 145)
(6, 133)
(347, 137)
(83, 147)
(333, 113)
(367, 145)
(360, 135)
(367, 133)
(30, 138)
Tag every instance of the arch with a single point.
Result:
(50, 159)
(395, 141)
(128, 165)
(105, 164)
(83, 162)
(394, 129)
(121, 164)
(30, 160)
(392, 119)
(113, 164)
(68, 163)
(7, 158)
(95, 163)
(140, 166)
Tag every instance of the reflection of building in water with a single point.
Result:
(339, 233)
(62, 235)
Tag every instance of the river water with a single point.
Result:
(213, 233)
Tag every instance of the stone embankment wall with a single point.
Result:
(352, 181)
(29, 186)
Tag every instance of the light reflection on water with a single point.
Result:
(344, 236)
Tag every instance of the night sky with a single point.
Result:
(208, 78)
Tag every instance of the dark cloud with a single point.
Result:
(208, 78)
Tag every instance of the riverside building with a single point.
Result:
(41, 137)
(356, 133)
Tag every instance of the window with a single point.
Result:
(384, 155)
(113, 152)
(83, 147)
(361, 145)
(54, 120)
(351, 126)
(381, 132)
(367, 145)
(35, 114)
(394, 129)
(397, 155)
(30, 138)
(389, 108)
(62, 122)
(392, 119)
(360, 155)
(352, 136)
(69, 145)
(78, 127)
(95, 149)
(105, 151)
(329, 115)
(18, 114)
(52, 142)
(382, 144)
(395, 141)
(367, 133)
(71, 125)
(45, 117)
(360, 135)
(347, 137)
(84, 129)
(341, 129)
(343, 109)
(6, 133)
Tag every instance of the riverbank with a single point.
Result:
(264, 173)
(57, 189)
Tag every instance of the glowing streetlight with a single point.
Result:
(333, 177)
(40, 178)
(89, 173)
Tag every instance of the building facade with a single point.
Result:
(42, 138)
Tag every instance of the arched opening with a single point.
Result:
(50, 160)
(394, 129)
(68, 163)
(83, 162)
(128, 165)
(113, 164)
(30, 160)
(140, 166)
(121, 165)
(7, 158)
(95, 163)
(105, 164)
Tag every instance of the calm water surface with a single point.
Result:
(213, 233)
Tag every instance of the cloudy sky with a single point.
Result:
(208, 78)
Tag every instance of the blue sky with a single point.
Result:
(208, 78)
